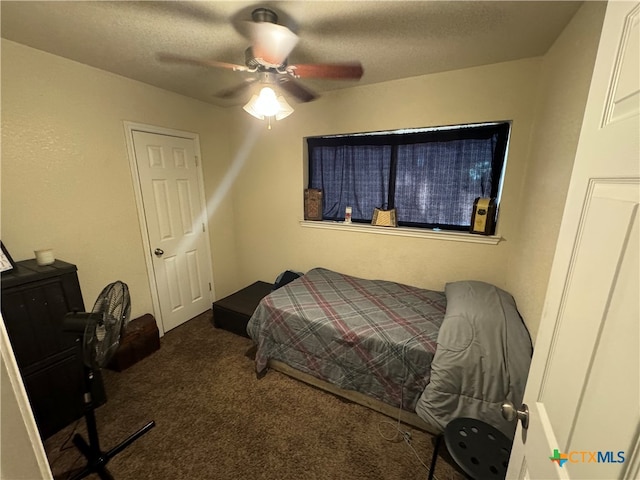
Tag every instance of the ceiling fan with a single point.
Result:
(271, 44)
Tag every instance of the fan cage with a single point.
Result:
(102, 333)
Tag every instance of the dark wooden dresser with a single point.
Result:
(34, 302)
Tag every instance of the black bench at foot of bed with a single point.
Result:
(233, 312)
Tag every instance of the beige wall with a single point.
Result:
(544, 97)
(269, 190)
(564, 84)
(66, 180)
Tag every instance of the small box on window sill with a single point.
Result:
(313, 204)
(140, 338)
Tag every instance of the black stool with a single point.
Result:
(482, 451)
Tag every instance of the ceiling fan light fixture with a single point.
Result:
(285, 109)
(272, 43)
(267, 105)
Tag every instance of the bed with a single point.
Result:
(411, 349)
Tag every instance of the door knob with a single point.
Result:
(511, 413)
(159, 252)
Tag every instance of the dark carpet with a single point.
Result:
(215, 420)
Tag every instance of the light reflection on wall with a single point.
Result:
(222, 190)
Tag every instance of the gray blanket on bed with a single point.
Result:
(482, 358)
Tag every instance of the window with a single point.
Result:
(431, 177)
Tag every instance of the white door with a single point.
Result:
(583, 391)
(175, 217)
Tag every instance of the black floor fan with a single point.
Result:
(99, 332)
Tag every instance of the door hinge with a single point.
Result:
(196, 157)
(209, 286)
(203, 227)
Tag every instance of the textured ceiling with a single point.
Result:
(394, 39)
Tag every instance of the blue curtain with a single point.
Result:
(351, 176)
(437, 182)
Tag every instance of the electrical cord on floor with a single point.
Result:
(408, 442)
(400, 434)
(64, 447)
(72, 469)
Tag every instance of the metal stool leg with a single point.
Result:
(434, 458)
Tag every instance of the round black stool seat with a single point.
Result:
(481, 450)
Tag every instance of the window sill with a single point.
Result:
(404, 232)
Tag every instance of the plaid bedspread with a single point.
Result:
(372, 336)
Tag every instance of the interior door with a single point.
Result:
(176, 218)
(583, 389)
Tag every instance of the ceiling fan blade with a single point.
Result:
(171, 58)
(294, 88)
(202, 12)
(236, 90)
(271, 43)
(347, 71)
